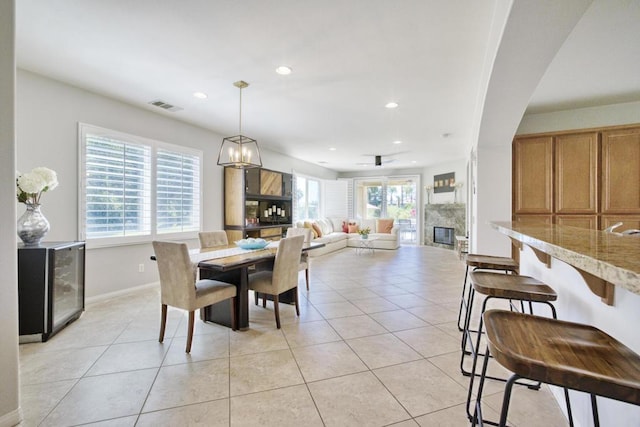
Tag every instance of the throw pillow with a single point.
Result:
(316, 230)
(345, 227)
(384, 225)
(307, 224)
(353, 228)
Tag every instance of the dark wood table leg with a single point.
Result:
(242, 300)
(220, 313)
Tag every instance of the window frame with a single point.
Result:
(85, 129)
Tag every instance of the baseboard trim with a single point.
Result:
(12, 418)
(109, 295)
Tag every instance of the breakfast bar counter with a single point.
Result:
(610, 257)
(578, 263)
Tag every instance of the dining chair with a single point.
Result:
(211, 239)
(283, 277)
(179, 287)
(304, 257)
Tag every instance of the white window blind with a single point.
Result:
(350, 200)
(335, 200)
(177, 192)
(134, 189)
(118, 188)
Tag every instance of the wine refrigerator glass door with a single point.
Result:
(68, 284)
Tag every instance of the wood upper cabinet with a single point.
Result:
(533, 175)
(621, 171)
(582, 178)
(576, 173)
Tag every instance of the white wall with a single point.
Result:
(460, 169)
(531, 37)
(606, 115)
(48, 112)
(10, 413)
(282, 163)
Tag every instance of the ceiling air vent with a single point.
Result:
(164, 105)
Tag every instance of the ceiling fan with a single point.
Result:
(378, 159)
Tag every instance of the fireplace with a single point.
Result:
(442, 223)
(444, 235)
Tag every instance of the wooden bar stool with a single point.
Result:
(482, 262)
(565, 354)
(506, 287)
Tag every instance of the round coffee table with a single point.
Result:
(366, 245)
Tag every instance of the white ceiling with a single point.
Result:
(349, 59)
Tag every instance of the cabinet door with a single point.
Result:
(252, 181)
(270, 183)
(271, 233)
(581, 221)
(233, 197)
(576, 173)
(533, 169)
(621, 171)
(287, 182)
(629, 222)
(533, 219)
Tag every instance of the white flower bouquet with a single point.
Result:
(31, 185)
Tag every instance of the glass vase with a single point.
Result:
(32, 225)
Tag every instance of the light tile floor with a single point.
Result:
(376, 344)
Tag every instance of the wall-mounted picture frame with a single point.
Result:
(444, 183)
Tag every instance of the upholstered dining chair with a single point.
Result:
(283, 277)
(304, 258)
(211, 239)
(179, 287)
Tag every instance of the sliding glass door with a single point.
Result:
(390, 197)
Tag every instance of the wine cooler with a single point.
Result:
(50, 288)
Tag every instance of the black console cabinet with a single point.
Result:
(50, 288)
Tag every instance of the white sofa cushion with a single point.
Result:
(336, 222)
(326, 226)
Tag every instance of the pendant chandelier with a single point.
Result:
(239, 151)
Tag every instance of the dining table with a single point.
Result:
(233, 265)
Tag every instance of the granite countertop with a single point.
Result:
(609, 256)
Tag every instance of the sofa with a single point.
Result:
(330, 232)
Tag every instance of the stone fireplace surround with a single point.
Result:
(451, 215)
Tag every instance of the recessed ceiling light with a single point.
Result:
(391, 105)
(200, 95)
(396, 142)
(283, 70)
(332, 149)
(414, 161)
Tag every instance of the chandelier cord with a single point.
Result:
(240, 121)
